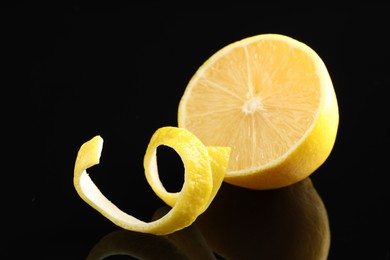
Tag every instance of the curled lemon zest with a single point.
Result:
(203, 177)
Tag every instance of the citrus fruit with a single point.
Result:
(199, 187)
(270, 98)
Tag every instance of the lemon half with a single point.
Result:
(270, 98)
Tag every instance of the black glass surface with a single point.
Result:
(70, 72)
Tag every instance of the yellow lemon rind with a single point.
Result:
(189, 203)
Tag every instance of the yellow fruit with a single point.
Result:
(199, 188)
(287, 223)
(270, 98)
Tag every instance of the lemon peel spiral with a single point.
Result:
(204, 170)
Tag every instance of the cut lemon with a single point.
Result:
(202, 179)
(270, 98)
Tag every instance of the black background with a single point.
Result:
(70, 73)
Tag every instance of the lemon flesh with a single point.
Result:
(270, 98)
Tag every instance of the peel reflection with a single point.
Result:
(285, 223)
(187, 243)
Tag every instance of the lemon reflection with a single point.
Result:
(286, 223)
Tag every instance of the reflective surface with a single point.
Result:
(291, 223)
(69, 74)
